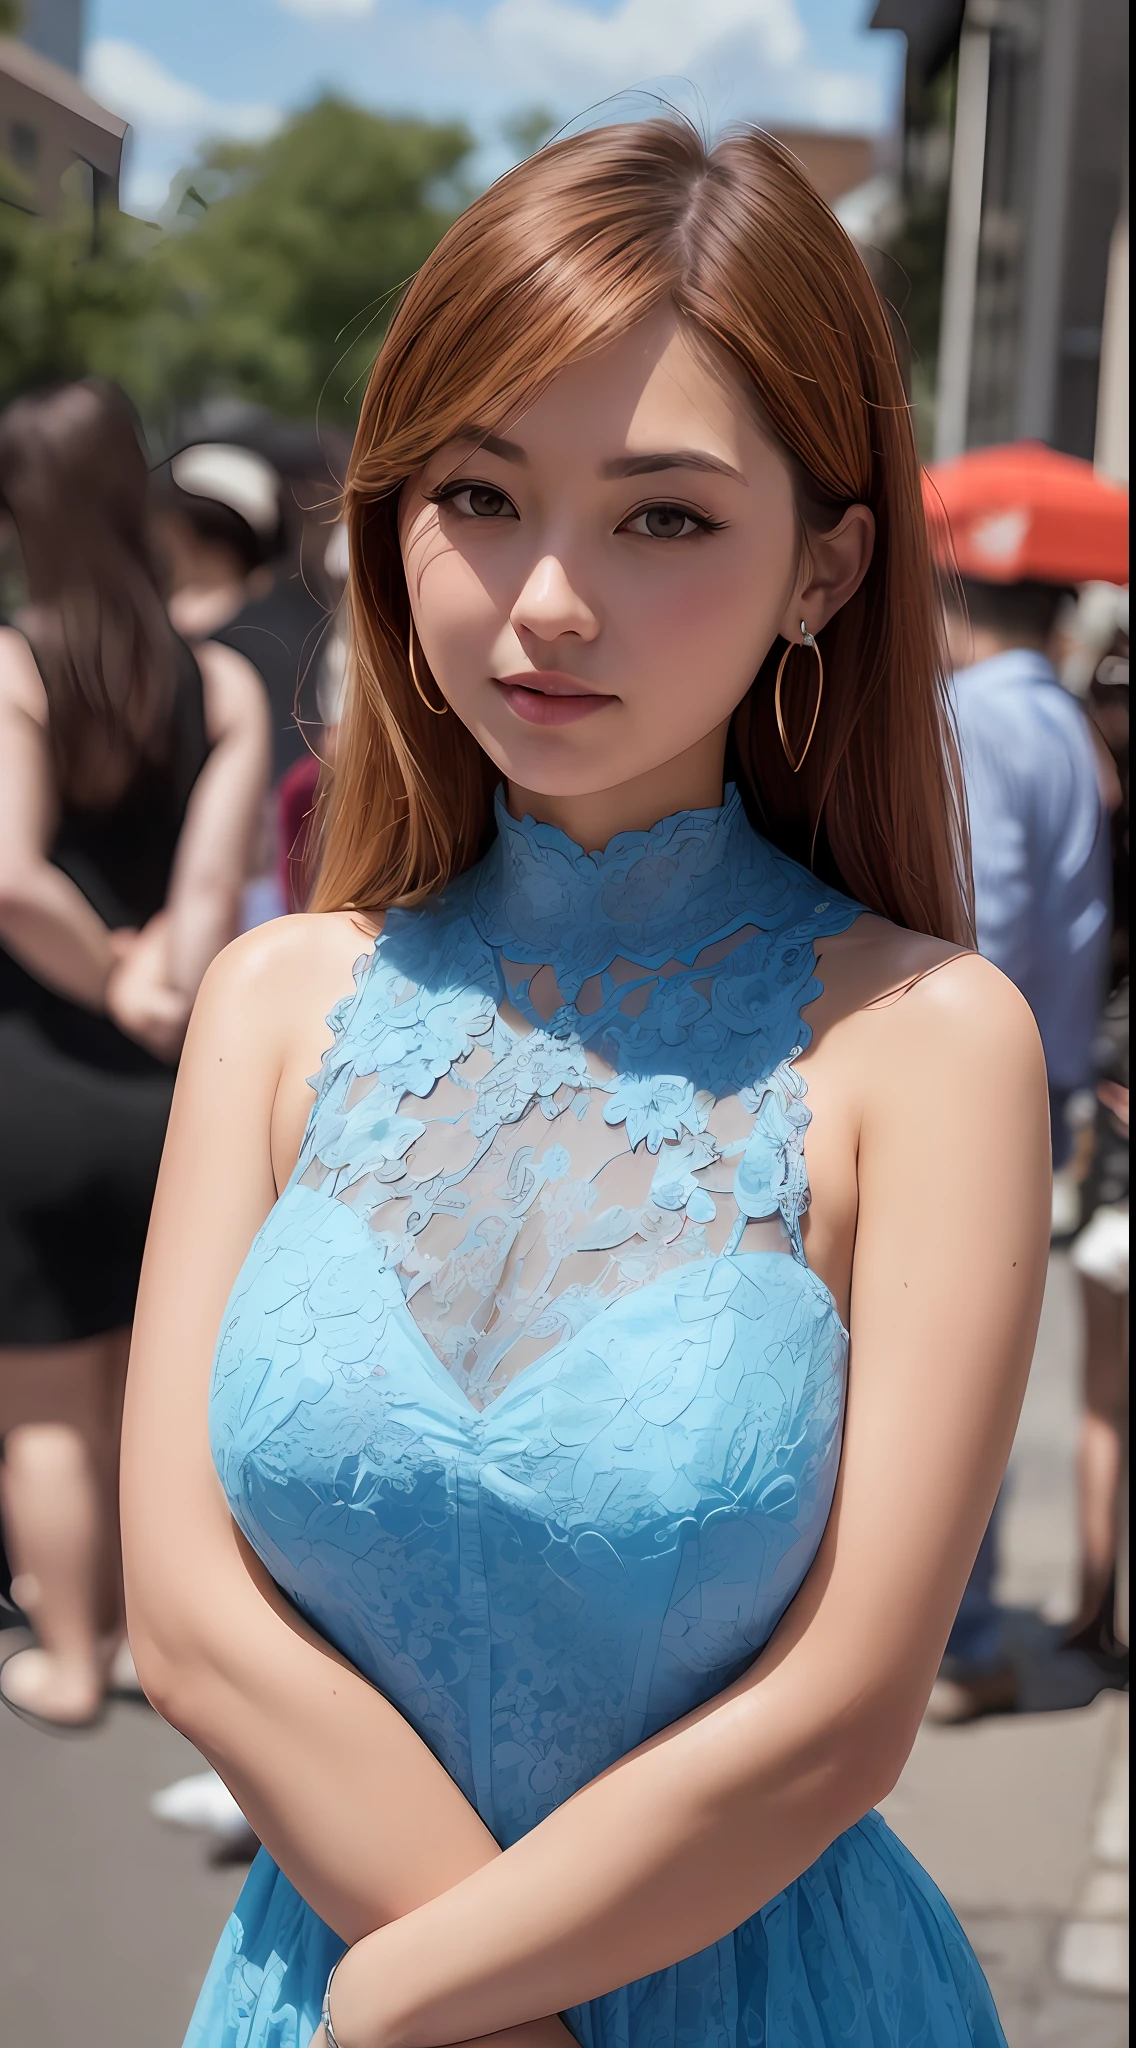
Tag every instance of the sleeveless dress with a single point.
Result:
(528, 1400)
(83, 1108)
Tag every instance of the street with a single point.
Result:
(1006, 1814)
(107, 1919)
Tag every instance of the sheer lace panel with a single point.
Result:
(529, 1138)
(510, 1226)
(509, 1239)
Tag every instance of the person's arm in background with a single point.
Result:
(998, 800)
(1070, 855)
(46, 922)
(160, 973)
(212, 861)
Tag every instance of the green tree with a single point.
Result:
(283, 260)
(271, 275)
(74, 293)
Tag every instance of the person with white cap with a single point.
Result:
(218, 525)
(285, 623)
(222, 530)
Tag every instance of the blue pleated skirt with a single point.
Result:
(862, 1951)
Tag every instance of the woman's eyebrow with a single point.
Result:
(672, 458)
(619, 466)
(493, 444)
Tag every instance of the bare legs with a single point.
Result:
(1099, 1456)
(60, 1411)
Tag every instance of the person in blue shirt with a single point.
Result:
(1039, 831)
(1040, 851)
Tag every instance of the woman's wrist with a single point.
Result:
(119, 943)
(354, 2022)
(349, 2016)
(376, 1999)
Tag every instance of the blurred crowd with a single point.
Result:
(1033, 549)
(170, 668)
(172, 663)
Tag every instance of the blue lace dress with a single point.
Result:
(529, 1401)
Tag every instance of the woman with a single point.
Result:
(548, 1639)
(129, 784)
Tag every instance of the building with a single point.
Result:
(837, 164)
(1033, 328)
(48, 124)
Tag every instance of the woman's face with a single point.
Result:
(594, 592)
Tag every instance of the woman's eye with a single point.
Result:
(664, 522)
(481, 501)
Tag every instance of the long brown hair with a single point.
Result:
(552, 263)
(73, 475)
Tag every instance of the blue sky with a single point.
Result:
(179, 70)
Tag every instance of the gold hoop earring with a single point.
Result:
(439, 710)
(807, 640)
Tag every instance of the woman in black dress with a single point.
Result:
(131, 776)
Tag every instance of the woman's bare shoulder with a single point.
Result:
(283, 970)
(928, 995)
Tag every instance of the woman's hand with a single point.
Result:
(139, 998)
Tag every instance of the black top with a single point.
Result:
(121, 856)
(282, 634)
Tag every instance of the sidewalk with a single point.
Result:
(107, 1921)
(1018, 1819)
(1002, 1816)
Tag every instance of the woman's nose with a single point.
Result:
(549, 606)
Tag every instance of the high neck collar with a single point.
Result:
(645, 896)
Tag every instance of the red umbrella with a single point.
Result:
(1024, 514)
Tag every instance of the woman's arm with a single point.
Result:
(691, 1833)
(46, 922)
(347, 1798)
(212, 860)
(151, 990)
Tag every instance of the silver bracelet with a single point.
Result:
(325, 2011)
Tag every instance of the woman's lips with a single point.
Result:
(547, 697)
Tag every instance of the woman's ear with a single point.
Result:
(833, 566)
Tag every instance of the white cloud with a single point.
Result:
(719, 60)
(317, 8)
(640, 37)
(144, 191)
(840, 99)
(134, 85)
